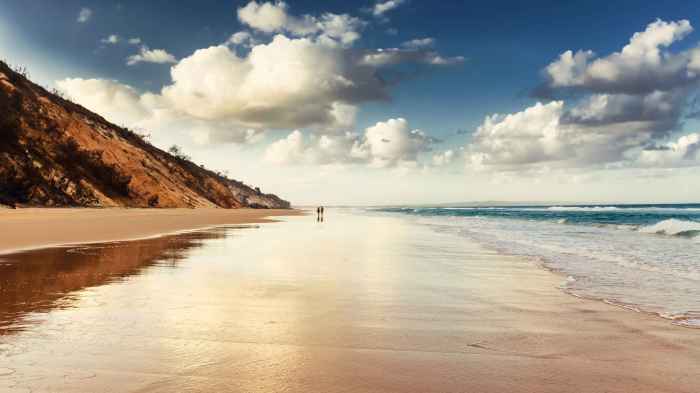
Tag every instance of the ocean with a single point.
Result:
(642, 257)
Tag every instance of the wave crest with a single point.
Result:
(673, 227)
(583, 208)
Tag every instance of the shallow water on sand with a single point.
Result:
(356, 303)
(234, 308)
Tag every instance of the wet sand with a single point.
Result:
(353, 304)
(38, 227)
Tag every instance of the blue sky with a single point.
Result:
(484, 58)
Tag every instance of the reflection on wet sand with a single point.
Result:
(358, 304)
(41, 280)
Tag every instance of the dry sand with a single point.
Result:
(355, 304)
(37, 227)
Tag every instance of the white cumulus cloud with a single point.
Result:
(268, 17)
(631, 102)
(389, 143)
(113, 100)
(329, 28)
(306, 75)
(603, 129)
(382, 7)
(146, 55)
(533, 135)
(125, 106)
(392, 142)
(683, 152)
(640, 67)
(287, 83)
(569, 69)
(297, 148)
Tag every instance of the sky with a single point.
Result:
(391, 101)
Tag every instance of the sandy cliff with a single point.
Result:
(57, 153)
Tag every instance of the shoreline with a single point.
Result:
(39, 228)
(539, 263)
(560, 278)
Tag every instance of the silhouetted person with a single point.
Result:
(318, 214)
(321, 213)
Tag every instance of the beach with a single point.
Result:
(358, 303)
(41, 227)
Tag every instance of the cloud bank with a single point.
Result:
(287, 72)
(629, 105)
(329, 28)
(641, 67)
(386, 144)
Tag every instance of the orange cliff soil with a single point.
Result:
(57, 153)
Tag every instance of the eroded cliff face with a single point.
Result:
(57, 153)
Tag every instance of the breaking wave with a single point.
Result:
(582, 208)
(673, 227)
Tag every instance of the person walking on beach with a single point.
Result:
(321, 213)
(318, 213)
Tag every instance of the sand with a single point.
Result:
(354, 304)
(36, 227)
